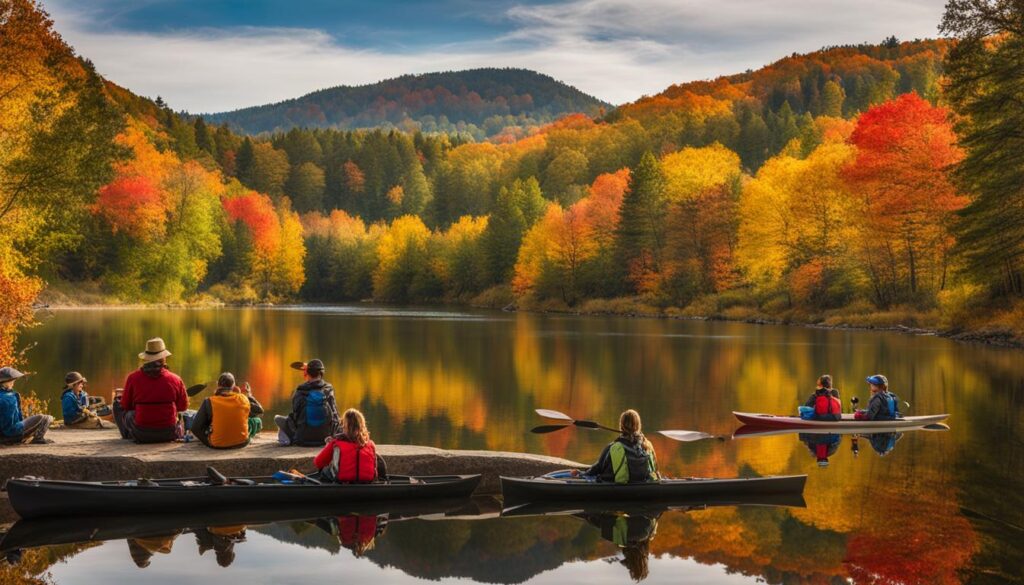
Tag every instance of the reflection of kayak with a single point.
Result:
(51, 531)
(795, 422)
(517, 489)
(653, 508)
(764, 431)
(35, 498)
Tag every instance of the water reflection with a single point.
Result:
(947, 502)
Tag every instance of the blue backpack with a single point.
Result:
(316, 409)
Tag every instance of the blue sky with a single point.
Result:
(213, 55)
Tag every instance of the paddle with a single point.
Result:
(548, 429)
(193, 390)
(586, 424)
(683, 436)
(689, 436)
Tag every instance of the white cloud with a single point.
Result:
(616, 50)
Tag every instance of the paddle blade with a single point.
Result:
(686, 436)
(936, 427)
(587, 424)
(553, 414)
(548, 429)
(298, 366)
(193, 390)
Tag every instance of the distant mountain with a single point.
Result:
(481, 102)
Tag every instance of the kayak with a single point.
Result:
(795, 422)
(38, 498)
(653, 508)
(749, 431)
(541, 489)
(57, 530)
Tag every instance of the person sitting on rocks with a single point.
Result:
(74, 402)
(152, 398)
(224, 420)
(14, 426)
(314, 415)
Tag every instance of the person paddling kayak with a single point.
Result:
(224, 420)
(314, 415)
(351, 457)
(884, 405)
(824, 403)
(629, 458)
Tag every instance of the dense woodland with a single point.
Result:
(861, 180)
(477, 103)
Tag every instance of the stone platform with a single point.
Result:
(93, 455)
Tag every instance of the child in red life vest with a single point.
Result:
(825, 401)
(351, 457)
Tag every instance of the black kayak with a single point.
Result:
(541, 489)
(39, 498)
(653, 507)
(58, 530)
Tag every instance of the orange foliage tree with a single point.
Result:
(904, 147)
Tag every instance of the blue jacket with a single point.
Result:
(72, 405)
(11, 424)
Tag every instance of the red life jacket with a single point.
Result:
(356, 531)
(826, 404)
(355, 463)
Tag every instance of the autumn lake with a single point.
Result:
(917, 508)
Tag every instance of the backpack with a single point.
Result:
(638, 461)
(827, 407)
(316, 408)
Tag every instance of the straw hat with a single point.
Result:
(155, 350)
(8, 374)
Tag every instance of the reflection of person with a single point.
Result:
(350, 456)
(630, 458)
(152, 398)
(884, 405)
(143, 549)
(74, 402)
(355, 532)
(223, 420)
(631, 533)
(821, 446)
(221, 540)
(314, 415)
(15, 427)
(883, 443)
(824, 402)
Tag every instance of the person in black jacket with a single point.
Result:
(314, 416)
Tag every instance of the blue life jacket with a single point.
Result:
(11, 423)
(71, 405)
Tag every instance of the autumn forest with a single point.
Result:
(872, 184)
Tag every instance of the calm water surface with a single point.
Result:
(938, 507)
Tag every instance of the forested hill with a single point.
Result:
(478, 102)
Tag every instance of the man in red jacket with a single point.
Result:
(153, 396)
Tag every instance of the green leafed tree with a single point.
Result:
(640, 237)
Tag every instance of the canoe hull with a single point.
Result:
(40, 498)
(521, 490)
(794, 422)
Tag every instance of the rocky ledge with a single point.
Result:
(93, 455)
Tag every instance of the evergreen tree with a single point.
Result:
(244, 161)
(204, 138)
(640, 236)
(985, 81)
(503, 236)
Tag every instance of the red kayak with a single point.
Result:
(773, 421)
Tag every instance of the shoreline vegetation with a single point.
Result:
(871, 185)
(993, 333)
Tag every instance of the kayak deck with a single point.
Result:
(520, 490)
(37, 498)
(795, 422)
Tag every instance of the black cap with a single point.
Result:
(314, 366)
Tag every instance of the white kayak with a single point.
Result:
(795, 422)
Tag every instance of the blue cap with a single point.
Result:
(878, 380)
